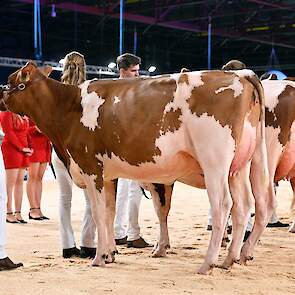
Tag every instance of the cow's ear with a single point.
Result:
(26, 72)
(46, 70)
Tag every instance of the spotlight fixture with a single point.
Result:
(53, 12)
(152, 69)
(111, 65)
(62, 61)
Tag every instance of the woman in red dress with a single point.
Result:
(16, 151)
(38, 162)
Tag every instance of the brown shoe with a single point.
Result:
(139, 243)
(122, 241)
(7, 264)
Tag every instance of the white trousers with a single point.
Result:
(128, 200)
(3, 200)
(65, 184)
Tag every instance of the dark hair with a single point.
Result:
(234, 64)
(127, 60)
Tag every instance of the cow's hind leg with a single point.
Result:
(264, 197)
(109, 191)
(98, 208)
(241, 193)
(221, 203)
(292, 227)
(161, 195)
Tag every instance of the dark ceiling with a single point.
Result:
(170, 33)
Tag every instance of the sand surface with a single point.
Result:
(37, 245)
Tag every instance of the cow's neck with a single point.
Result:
(54, 107)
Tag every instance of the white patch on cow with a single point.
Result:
(272, 91)
(116, 99)
(183, 90)
(237, 87)
(90, 103)
(243, 73)
(76, 172)
(86, 149)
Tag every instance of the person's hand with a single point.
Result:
(38, 129)
(28, 152)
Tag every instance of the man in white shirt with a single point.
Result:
(129, 193)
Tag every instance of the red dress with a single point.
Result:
(40, 144)
(16, 138)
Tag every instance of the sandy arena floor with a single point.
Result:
(37, 245)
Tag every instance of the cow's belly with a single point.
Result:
(166, 170)
(245, 149)
(285, 168)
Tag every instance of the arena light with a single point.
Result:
(152, 69)
(111, 65)
(53, 12)
(57, 69)
(62, 61)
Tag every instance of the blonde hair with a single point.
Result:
(74, 70)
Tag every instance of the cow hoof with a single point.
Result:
(205, 268)
(292, 228)
(227, 263)
(243, 260)
(110, 258)
(159, 253)
(98, 262)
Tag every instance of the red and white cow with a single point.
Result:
(202, 128)
(280, 134)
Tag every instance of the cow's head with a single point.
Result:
(19, 83)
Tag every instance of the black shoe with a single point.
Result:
(87, 252)
(34, 218)
(45, 218)
(68, 253)
(139, 243)
(209, 227)
(22, 221)
(122, 241)
(7, 264)
(277, 224)
(14, 221)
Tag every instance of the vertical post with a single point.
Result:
(121, 26)
(135, 40)
(209, 44)
(37, 30)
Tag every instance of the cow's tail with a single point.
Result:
(254, 80)
(259, 92)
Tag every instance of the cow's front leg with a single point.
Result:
(109, 191)
(94, 186)
(161, 195)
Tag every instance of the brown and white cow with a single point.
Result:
(280, 133)
(201, 128)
